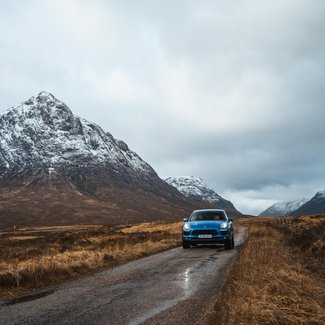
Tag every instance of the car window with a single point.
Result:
(207, 215)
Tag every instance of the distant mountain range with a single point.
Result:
(58, 168)
(283, 208)
(194, 188)
(315, 205)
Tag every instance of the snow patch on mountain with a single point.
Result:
(43, 131)
(316, 205)
(195, 187)
(283, 208)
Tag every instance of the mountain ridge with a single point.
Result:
(301, 207)
(56, 168)
(283, 208)
(316, 205)
(64, 138)
(194, 188)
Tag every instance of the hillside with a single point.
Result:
(316, 205)
(58, 168)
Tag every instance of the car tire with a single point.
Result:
(230, 243)
(186, 244)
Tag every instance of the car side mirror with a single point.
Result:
(185, 219)
(230, 218)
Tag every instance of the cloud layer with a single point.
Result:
(229, 91)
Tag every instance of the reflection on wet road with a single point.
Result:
(133, 293)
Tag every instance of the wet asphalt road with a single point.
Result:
(172, 287)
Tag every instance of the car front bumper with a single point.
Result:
(204, 236)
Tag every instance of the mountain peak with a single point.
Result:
(58, 168)
(194, 187)
(44, 104)
(42, 97)
(320, 194)
(45, 95)
(43, 131)
(283, 208)
(316, 205)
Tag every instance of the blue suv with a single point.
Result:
(209, 226)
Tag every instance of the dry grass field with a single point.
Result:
(36, 257)
(279, 277)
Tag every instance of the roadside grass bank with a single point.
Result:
(41, 257)
(279, 277)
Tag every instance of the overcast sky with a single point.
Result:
(231, 91)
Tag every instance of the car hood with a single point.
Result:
(209, 224)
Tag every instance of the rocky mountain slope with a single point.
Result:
(43, 133)
(283, 208)
(57, 168)
(316, 205)
(195, 188)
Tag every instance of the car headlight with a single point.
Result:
(223, 225)
(187, 226)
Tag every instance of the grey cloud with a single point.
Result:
(229, 91)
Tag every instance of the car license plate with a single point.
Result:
(205, 236)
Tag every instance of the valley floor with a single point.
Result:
(278, 278)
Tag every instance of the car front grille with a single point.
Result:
(204, 232)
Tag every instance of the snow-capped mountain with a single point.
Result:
(47, 153)
(43, 132)
(316, 205)
(195, 188)
(283, 208)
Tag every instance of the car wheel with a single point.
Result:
(229, 244)
(186, 244)
(233, 242)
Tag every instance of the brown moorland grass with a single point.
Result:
(38, 259)
(150, 227)
(279, 276)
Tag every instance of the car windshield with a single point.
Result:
(207, 215)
